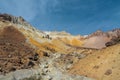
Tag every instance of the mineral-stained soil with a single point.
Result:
(15, 52)
(58, 56)
(101, 65)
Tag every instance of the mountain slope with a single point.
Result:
(101, 65)
(15, 51)
(56, 55)
(24, 48)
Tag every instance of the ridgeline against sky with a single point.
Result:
(74, 16)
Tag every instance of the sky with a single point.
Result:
(74, 16)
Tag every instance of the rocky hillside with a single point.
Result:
(30, 54)
(101, 39)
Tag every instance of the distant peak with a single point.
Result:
(97, 33)
(115, 30)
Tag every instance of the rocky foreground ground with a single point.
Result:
(30, 54)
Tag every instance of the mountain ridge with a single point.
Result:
(56, 52)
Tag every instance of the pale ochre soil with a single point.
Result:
(101, 65)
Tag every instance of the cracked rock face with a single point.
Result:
(13, 19)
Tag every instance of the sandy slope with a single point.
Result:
(102, 64)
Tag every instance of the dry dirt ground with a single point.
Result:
(101, 65)
(15, 52)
